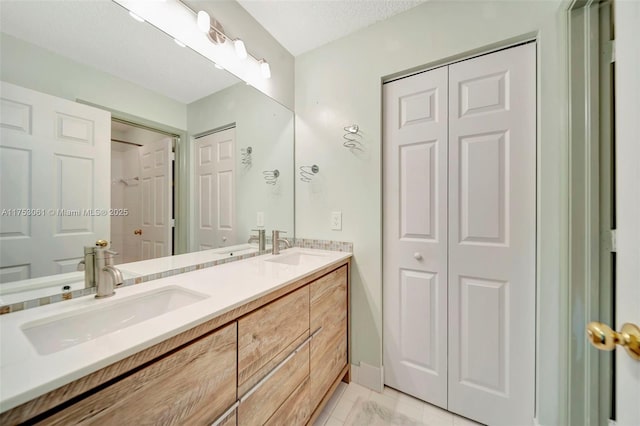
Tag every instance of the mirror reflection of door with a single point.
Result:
(215, 189)
(141, 193)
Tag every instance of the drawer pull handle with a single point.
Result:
(224, 415)
(277, 367)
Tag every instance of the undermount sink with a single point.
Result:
(295, 258)
(56, 333)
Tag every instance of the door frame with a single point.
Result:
(181, 179)
(590, 213)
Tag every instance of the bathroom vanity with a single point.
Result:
(258, 341)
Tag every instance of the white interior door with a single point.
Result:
(492, 236)
(55, 156)
(215, 190)
(627, 125)
(415, 235)
(156, 209)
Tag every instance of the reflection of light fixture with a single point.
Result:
(241, 50)
(179, 43)
(204, 21)
(265, 69)
(136, 17)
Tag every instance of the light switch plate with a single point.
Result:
(260, 219)
(336, 221)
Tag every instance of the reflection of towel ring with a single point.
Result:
(350, 139)
(307, 172)
(246, 156)
(271, 176)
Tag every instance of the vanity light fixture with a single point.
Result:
(265, 69)
(241, 50)
(187, 26)
(136, 17)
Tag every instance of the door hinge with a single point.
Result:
(612, 422)
(172, 156)
(173, 223)
(614, 241)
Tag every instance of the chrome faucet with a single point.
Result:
(276, 240)
(261, 239)
(99, 270)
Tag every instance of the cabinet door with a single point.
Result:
(265, 336)
(191, 386)
(328, 347)
(261, 405)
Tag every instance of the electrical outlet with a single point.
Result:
(260, 219)
(336, 221)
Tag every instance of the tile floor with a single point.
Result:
(337, 409)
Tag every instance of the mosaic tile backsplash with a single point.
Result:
(298, 242)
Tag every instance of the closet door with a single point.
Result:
(492, 231)
(415, 235)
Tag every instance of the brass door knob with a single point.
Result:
(102, 243)
(137, 232)
(604, 338)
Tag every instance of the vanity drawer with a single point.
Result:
(265, 335)
(193, 385)
(329, 327)
(259, 407)
(296, 410)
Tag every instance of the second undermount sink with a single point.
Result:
(59, 332)
(297, 258)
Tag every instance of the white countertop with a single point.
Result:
(24, 374)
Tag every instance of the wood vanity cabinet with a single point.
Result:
(193, 385)
(329, 326)
(273, 361)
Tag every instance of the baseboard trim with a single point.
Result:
(368, 376)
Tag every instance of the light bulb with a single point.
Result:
(241, 51)
(265, 69)
(204, 21)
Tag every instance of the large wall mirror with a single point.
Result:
(112, 130)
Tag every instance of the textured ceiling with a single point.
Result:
(102, 35)
(303, 25)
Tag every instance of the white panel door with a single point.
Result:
(415, 235)
(492, 236)
(627, 125)
(156, 207)
(55, 156)
(215, 190)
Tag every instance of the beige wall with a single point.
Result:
(340, 84)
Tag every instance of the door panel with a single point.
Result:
(155, 161)
(492, 231)
(215, 186)
(415, 233)
(48, 146)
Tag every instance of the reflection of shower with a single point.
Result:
(271, 176)
(128, 181)
(245, 154)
